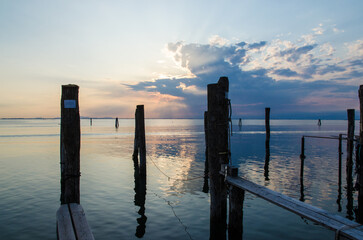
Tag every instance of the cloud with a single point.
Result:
(292, 78)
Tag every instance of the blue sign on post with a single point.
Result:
(70, 104)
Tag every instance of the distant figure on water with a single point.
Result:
(240, 124)
(90, 121)
(116, 123)
(319, 122)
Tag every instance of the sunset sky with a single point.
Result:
(304, 59)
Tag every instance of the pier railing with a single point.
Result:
(343, 227)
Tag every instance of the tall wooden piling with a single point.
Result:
(70, 142)
(218, 155)
(236, 199)
(205, 182)
(340, 160)
(267, 122)
(360, 159)
(139, 144)
(350, 144)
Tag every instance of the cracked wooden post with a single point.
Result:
(70, 139)
(218, 155)
(236, 198)
(360, 160)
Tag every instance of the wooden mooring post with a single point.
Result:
(139, 144)
(267, 123)
(236, 199)
(350, 144)
(70, 145)
(360, 158)
(206, 170)
(218, 155)
(71, 219)
(116, 123)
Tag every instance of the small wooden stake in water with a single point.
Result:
(70, 145)
(116, 123)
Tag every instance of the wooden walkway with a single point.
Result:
(72, 223)
(344, 228)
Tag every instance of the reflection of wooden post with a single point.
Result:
(236, 198)
(340, 160)
(139, 144)
(360, 159)
(267, 123)
(217, 155)
(70, 145)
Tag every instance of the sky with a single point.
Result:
(303, 59)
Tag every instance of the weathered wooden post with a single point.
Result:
(139, 144)
(360, 158)
(70, 145)
(302, 160)
(267, 123)
(218, 155)
(205, 183)
(349, 162)
(350, 144)
(236, 198)
(340, 159)
(116, 123)
(302, 155)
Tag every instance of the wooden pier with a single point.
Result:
(218, 155)
(344, 228)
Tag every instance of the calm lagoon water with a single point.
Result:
(174, 208)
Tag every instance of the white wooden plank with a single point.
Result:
(347, 228)
(64, 224)
(82, 229)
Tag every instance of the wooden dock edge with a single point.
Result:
(344, 228)
(72, 223)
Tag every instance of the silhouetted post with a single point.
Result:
(90, 121)
(139, 145)
(116, 123)
(205, 184)
(302, 160)
(340, 160)
(302, 155)
(350, 144)
(236, 198)
(267, 123)
(70, 145)
(142, 145)
(217, 155)
(360, 159)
